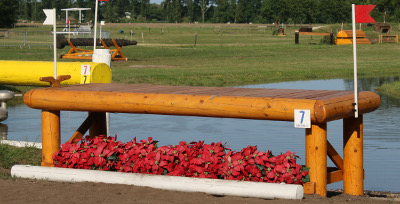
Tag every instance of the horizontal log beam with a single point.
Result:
(312, 33)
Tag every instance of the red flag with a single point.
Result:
(362, 13)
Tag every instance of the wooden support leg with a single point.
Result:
(99, 126)
(316, 156)
(83, 128)
(353, 173)
(50, 136)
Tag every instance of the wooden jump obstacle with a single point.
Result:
(27, 73)
(297, 34)
(78, 53)
(388, 38)
(247, 103)
(345, 37)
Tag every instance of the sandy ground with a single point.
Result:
(35, 191)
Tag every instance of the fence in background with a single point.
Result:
(28, 39)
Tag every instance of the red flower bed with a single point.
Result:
(195, 159)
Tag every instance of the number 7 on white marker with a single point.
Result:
(302, 118)
(85, 69)
(85, 74)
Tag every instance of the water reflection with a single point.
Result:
(3, 131)
(381, 130)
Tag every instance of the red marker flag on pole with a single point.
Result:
(362, 13)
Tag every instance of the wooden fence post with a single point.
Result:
(50, 136)
(353, 172)
(99, 126)
(316, 156)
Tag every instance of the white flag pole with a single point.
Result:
(355, 62)
(55, 43)
(95, 26)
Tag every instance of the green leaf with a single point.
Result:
(260, 166)
(112, 157)
(306, 179)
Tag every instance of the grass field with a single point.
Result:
(227, 55)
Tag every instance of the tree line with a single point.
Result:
(209, 11)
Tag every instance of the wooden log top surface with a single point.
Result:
(314, 33)
(251, 103)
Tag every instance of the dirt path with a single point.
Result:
(35, 191)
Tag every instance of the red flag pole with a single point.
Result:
(355, 62)
(95, 26)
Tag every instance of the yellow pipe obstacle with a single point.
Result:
(28, 73)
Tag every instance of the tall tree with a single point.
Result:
(167, 8)
(204, 6)
(221, 12)
(8, 10)
(176, 11)
(311, 11)
(145, 8)
(192, 9)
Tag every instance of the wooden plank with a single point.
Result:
(83, 128)
(334, 175)
(265, 104)
(313, 33)
(309, 188)
(335, 157)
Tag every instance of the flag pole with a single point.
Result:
(54, 43)
(355, 61)
(95, 26)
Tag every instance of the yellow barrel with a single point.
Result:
(29, 72)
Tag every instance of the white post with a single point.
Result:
(95, 26)
(55, 43)
(69, 30)
(80, 14)
(355, 61)
(100, 31)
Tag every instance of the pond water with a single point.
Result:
(381, 130)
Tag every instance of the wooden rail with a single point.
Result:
(389, 38)
(263, 104)
(79, 53)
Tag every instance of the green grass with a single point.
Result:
(10, 156)
(230, 55)
(390, 89)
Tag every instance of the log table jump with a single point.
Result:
(247, 103)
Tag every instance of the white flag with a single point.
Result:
(102, 23)
(49, 16)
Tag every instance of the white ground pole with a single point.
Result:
(21, 143)
(355, 62)
(174, 183)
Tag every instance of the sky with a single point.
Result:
(155, 1)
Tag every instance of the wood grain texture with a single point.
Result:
(264, 104)
(316, 156)
(353, 153)
(50, 136)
